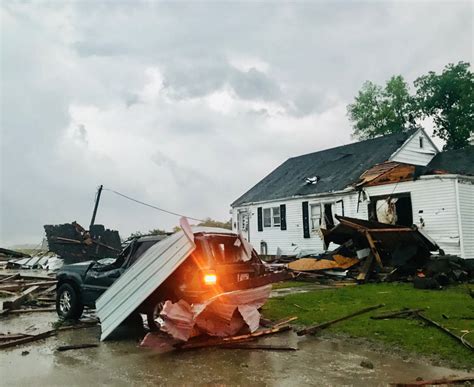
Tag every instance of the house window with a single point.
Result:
(267, 217)
(271, 217)
(276, 216)
(315, 216)
(421, 142)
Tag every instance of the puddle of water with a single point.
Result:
(317, 362)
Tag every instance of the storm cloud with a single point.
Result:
(188, 105)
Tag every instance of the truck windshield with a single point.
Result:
(226, 249)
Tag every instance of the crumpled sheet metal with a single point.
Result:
(222, 315)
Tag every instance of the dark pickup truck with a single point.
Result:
(220, 263)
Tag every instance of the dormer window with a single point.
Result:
(421, 142)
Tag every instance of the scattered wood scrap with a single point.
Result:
(77, 346)
(27, 339)
(12, 304)
(316, 328)
(31, 310)
(217, 342)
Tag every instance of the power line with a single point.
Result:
(150, 205)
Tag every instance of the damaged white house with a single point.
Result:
(399, 179)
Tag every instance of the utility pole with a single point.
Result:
(97, 198)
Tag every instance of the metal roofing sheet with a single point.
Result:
(144, 277)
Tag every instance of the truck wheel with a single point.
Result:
(68, 304)
(152, 315)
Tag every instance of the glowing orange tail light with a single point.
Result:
(210, 278)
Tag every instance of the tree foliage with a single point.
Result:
(446, 98)
(155, 231)
(208, 222)
(382, 110)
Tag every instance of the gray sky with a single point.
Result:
(187, 105)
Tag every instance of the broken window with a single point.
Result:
(392, 209)
(315, 216)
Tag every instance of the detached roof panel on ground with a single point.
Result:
(140, 280)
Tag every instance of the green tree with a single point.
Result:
(155, 231)
(208, 222)
(448, 98)
(382, 110)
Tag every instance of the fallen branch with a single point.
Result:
(326, 324)
(445, 330)
(78, 346)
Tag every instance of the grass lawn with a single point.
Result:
(409, 334)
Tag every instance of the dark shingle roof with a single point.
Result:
(460, 161)
(335, 167)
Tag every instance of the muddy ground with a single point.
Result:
(122, 363)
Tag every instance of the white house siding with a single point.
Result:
(466, 207)
(411, 153)
(436, 197)
(291, 240)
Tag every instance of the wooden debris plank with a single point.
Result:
(12, 304)
(12, 277)
(78, 346)
(373, 248)
(35, 310)
(49, 290)
(258, 346)
(365, 268)
(27, 339)
(233, 339)
(445, 330)
(399, 313)
(436, 382)
(315, 328)
(13, 336)
(18, 286)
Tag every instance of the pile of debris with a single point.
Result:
(74, 243)
(384, 252)
(26, 293)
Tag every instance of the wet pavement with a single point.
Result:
(321, 362)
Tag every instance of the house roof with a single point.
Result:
(460, 161)
(333, 168)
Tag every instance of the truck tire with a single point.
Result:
(68, 303)
(152, 315)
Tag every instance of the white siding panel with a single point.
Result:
(436, 198)
(466, 206)
(433, 201)
(411, 153)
